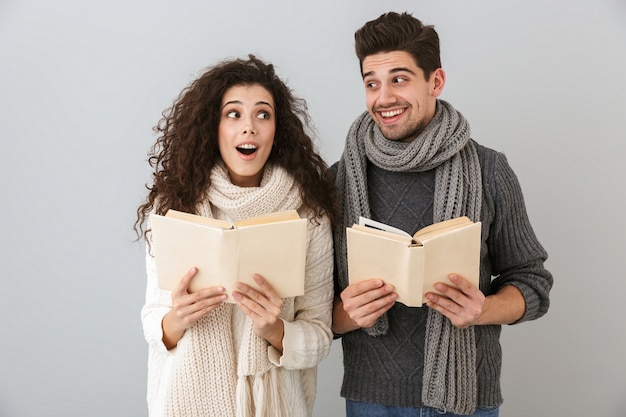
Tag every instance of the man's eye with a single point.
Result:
(371, 84)
(399, 80)
(232, 114)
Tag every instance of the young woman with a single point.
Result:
(234, 145)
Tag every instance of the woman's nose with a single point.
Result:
(248, 127)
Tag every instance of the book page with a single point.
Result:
(435, 229)
(276, 251)
(279, 216)
(363, 221)
(178, 245)
(383, 233)
(223, 257)
(194, 218)
(457, 251)
(386, 259)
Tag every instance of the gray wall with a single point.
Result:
(82, 84)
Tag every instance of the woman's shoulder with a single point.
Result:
(318, 226)
(315, 220)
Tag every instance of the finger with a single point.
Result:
(259, 296)
(458, 316)
(187, 304)
(183, 285)
(249, 298)
(191, 314)
(190, 306)
(209, 292)
(212, 302)
(368, 314)
(376, 307)
(352, 300)
(451, 298)
(451, 293)
(354, 290)
(243, 301)
(253, 310)
(445, 306)
(267, 289)
(247, 291)
(462, 284)
(255, 301)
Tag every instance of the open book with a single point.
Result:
(273, 245)
(413, 264)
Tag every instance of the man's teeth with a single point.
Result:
(391, 113)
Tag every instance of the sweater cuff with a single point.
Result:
(531, 300)
(153, 330)
(289, 345)
(275, 356)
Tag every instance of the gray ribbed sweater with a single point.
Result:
(388, 369)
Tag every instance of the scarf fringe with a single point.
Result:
(259, 396)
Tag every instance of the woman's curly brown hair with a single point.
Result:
(186, 148)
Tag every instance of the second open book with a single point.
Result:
(272, 245)
(413, 264)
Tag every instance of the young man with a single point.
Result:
(409, 161)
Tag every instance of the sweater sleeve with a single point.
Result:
(308, 337)
(517, 257)
(158, 302)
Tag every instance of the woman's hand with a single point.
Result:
(264, 308)
(188, 308)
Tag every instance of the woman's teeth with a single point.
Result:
(247, 149)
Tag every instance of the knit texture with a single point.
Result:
(220, 367)
(449, 380)
(387, 369)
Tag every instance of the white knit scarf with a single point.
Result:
(449, 379)
(206, 360)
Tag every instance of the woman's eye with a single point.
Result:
(263, 115)
(232, 114)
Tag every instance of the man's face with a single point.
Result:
(399, 98)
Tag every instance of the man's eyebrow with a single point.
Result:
(392, 71)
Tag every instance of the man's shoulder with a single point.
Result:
(488, 157)
(484, 150)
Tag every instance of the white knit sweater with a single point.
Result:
(306, 342)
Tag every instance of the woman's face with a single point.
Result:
(246, 132)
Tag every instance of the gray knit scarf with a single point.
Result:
(449, 379)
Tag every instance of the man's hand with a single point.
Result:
(361, 304)
(462, 304)
(465, 305)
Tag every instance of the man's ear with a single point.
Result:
(438, 78)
